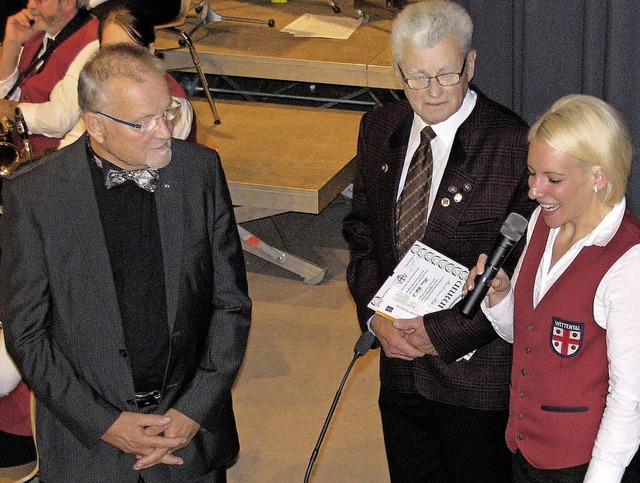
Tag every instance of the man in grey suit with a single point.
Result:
(124, 289)
(443, 418)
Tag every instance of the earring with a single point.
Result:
(595, 189)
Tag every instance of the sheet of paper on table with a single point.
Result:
(424, 281)
(324, 26)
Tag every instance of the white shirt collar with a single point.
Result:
(608, 227)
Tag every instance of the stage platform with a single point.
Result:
(255, 50)
(281, 158)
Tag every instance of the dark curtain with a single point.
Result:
(532, 52)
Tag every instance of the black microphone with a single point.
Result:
(361, 348)
(512, 230)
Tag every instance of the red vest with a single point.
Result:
(559, 379)
(37, 87)
(15, 411)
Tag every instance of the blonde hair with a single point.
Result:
(595, 133)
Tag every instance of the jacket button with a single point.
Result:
(521, 394)
(529, 327)
(527, 350)
(122, 352)
(384, 168)
(518, 416)
(523, 372)
(520, 437)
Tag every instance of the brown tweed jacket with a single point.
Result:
(487, 166)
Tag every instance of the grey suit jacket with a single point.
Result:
(63, 324)
(487, 168)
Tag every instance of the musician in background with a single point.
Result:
(44, 48)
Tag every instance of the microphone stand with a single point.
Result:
(362, 346)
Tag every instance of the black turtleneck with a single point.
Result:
(132, 234)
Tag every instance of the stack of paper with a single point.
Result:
(323, 26)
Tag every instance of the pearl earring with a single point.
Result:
(595, 189)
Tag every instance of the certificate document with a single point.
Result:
(424, 281)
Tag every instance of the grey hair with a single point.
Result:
(132, 62)
(427, 23)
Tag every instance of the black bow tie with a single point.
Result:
(146, 179)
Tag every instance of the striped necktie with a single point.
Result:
(411, 208)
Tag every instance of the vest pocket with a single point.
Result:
(557, 409)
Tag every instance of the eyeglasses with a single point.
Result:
(424, 81)
(170, 114)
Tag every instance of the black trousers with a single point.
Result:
(427, 441)
(16, 450)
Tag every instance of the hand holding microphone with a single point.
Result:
(499, 287)
(512, 230)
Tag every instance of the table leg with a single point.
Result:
(311, 274)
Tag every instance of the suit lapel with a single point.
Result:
(170, 207)
(459, 183)
(390, 172)
(83, 219)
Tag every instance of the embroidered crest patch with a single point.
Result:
(566, 337)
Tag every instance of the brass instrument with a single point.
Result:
(10, 156)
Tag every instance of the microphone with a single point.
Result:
(364, 343)
(512, 230)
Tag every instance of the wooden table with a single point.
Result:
(281, 158)
(255, 50)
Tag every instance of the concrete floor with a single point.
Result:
(300, 346)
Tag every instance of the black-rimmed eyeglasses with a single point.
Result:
(169, 114)
(424, 81)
